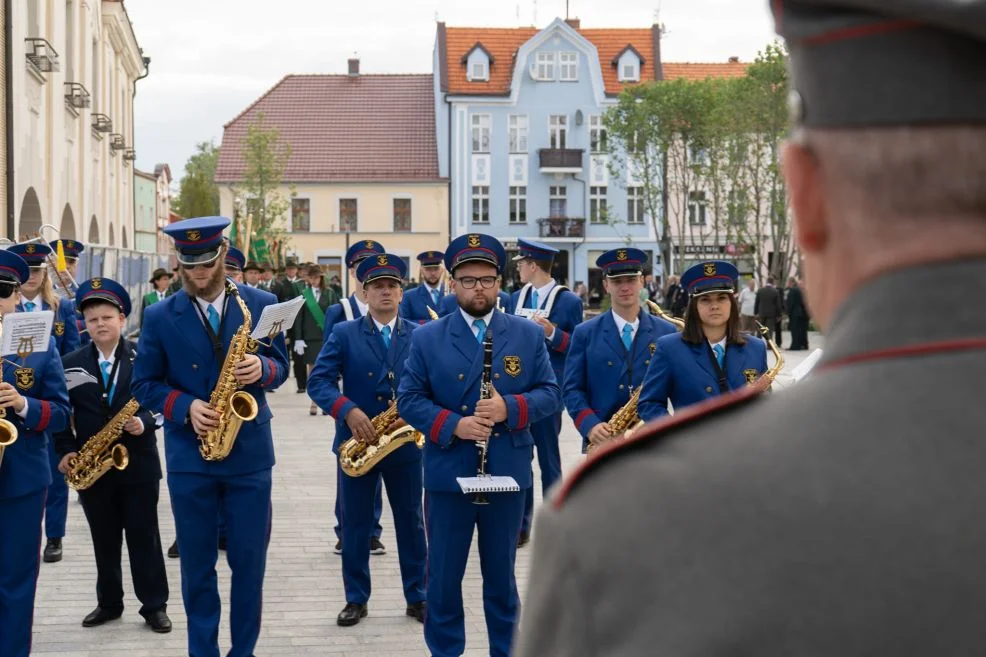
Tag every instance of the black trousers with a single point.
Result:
(778, 331)
(300, 370)
(115, 509)
(799, 332)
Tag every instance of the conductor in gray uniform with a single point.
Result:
(842, 516)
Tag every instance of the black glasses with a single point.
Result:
(205, 265)
(469, 282)
(7, 288)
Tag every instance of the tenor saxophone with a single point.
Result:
(356, 458)
(233, 405)
(101, 452)
(8, 430)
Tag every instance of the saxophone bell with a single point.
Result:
(8, 436)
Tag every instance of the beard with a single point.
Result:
(477, 305)
(211, 288)
(432, 279)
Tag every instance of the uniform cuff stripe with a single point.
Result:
(169, 404)
(521, 411)
(272, 366)
(336, 407)
(45, 416)
(580, 418)
(436, 426)
(563, 345)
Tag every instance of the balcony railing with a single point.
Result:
(41, 55)
(560, 160)
(102, 123)
(561, 227)
(129, 155)
(117, 143)
(77, 96)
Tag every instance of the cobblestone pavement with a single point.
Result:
(303, 588)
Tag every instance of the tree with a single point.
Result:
(198, 195)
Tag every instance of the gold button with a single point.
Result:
(464, 408)
(462, 376)
(708, 388)
(496, 376)
(621, 386)
(646, 362)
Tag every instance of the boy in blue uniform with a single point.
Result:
(378, 343)
(38, 294)
(710, 356)
(183, 345)
(564, 313)
(428, 295)
(34, 399)
(439, 394)
(348, 309)
(610, 353)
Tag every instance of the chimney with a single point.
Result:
(354, 67)
(574, 23)
(734, 60)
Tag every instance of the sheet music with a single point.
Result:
(27, 332)
(487, 484)
(277, 317)
(531, 313)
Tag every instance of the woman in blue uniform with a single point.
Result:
(34, 399)
(710, 356)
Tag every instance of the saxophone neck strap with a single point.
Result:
(106, 389)
(214, 338)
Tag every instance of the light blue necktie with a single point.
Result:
(105, 367)
(480, 326)
(385, 334)
(29, 306)
(534, 300)
(627, 336)
(434, 297)
(720, 353)
(213, 319)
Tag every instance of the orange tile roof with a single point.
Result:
(697, 71)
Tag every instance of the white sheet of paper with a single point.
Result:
(277, 317)
(26, 332)
(487, 484)
(806, 366)
(531, 313)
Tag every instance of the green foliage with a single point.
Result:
(198, 195)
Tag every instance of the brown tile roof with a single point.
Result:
(503, 43)
(696, 71)
(371, 127)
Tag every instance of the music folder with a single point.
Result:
(487, 484)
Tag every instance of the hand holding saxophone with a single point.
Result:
(361, 426)
(64, 464)
(10, 398)
(600, 434)
(134, 426)
(493, 409)
(203, 417)
(248, 370)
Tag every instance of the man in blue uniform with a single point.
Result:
(183, 345)
(710, 356)
(38, 294)
(428, 295)
(121, 502)
(377, 344)
(562, 312)
(348, 309)
(450, 304)
(610, 353)
(34, 400)
(439, 394)
(235, 262)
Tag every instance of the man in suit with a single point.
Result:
(769, 309)
(797, 315)
(121, 501)
(610, 352)
(251, 275)
(266, 277)
(842, 516)
(562, 312)
(161, 279)
(183, 345)
(350, 308)
(34, 400)
(427, 296)
(377, 343)
(439, 394)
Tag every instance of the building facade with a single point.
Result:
(363, 165)
(162, 213)
(145, 212)
(73, 119)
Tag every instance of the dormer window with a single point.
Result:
(628, 64)
(477, 62)
(630, 72)
(479, 71)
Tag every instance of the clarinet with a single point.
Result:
(485, 392)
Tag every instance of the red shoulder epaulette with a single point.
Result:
(660, 429)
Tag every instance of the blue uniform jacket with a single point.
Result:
(176, 365)
(450, 304)
(566, 314)
(599, 374)
(40, 379)
(414, 306)
(440, 386)
(683, 373)
(356, 352)
(65, 328)
(335, 314)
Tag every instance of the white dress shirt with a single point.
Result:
(470, 321)
(620, 323)
(392, 324)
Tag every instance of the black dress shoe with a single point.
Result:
(351, 614)
(159, 621)
(523, 539)
(173, 550)
(98, 616)
(53, 550)
(417, 611)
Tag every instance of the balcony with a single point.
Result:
(561, 227)
(129, 155)
(77, 96)
(560, 160)
(41, 55)
(102, 123)
(117, 143)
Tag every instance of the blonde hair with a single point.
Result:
(47, 291)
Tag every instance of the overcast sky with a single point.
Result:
(211, 58)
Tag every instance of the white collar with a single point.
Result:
(620, 322)
(392, 324)
(543, 291)
(217, 304)
(38, 303)
(433, 289)
(721, 343)
(470, 320)
(363, 308)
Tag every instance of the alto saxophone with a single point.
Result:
(8, 430)
(233, 405)
(100, 453)
(356, 458)
(771, 373)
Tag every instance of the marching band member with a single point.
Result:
(439, 394)
(377, 343)
(350, 308)
(121, 501)
(450, 304)
(710, 356)
(72, 250)
(38, 294)
(564, 310)
(610, 353)
(33, 397)
(429, 294)
(235, 262)
(183, 346)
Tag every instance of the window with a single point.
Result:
(517, 124)
(737, 207)
(480, 204)
(597, 205)
(95, 74)
(697, 155)
(629, 72)
(480, 133)
(568, 66)
(518, 205)
(33, 24)
(546, 66)
(402, 215)
(557, 130)
(69, 42)
(635, 205)
(597, 134)
(478, 72)
(300, 215)
(348, 215)
(696, 208)
(557, 201)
